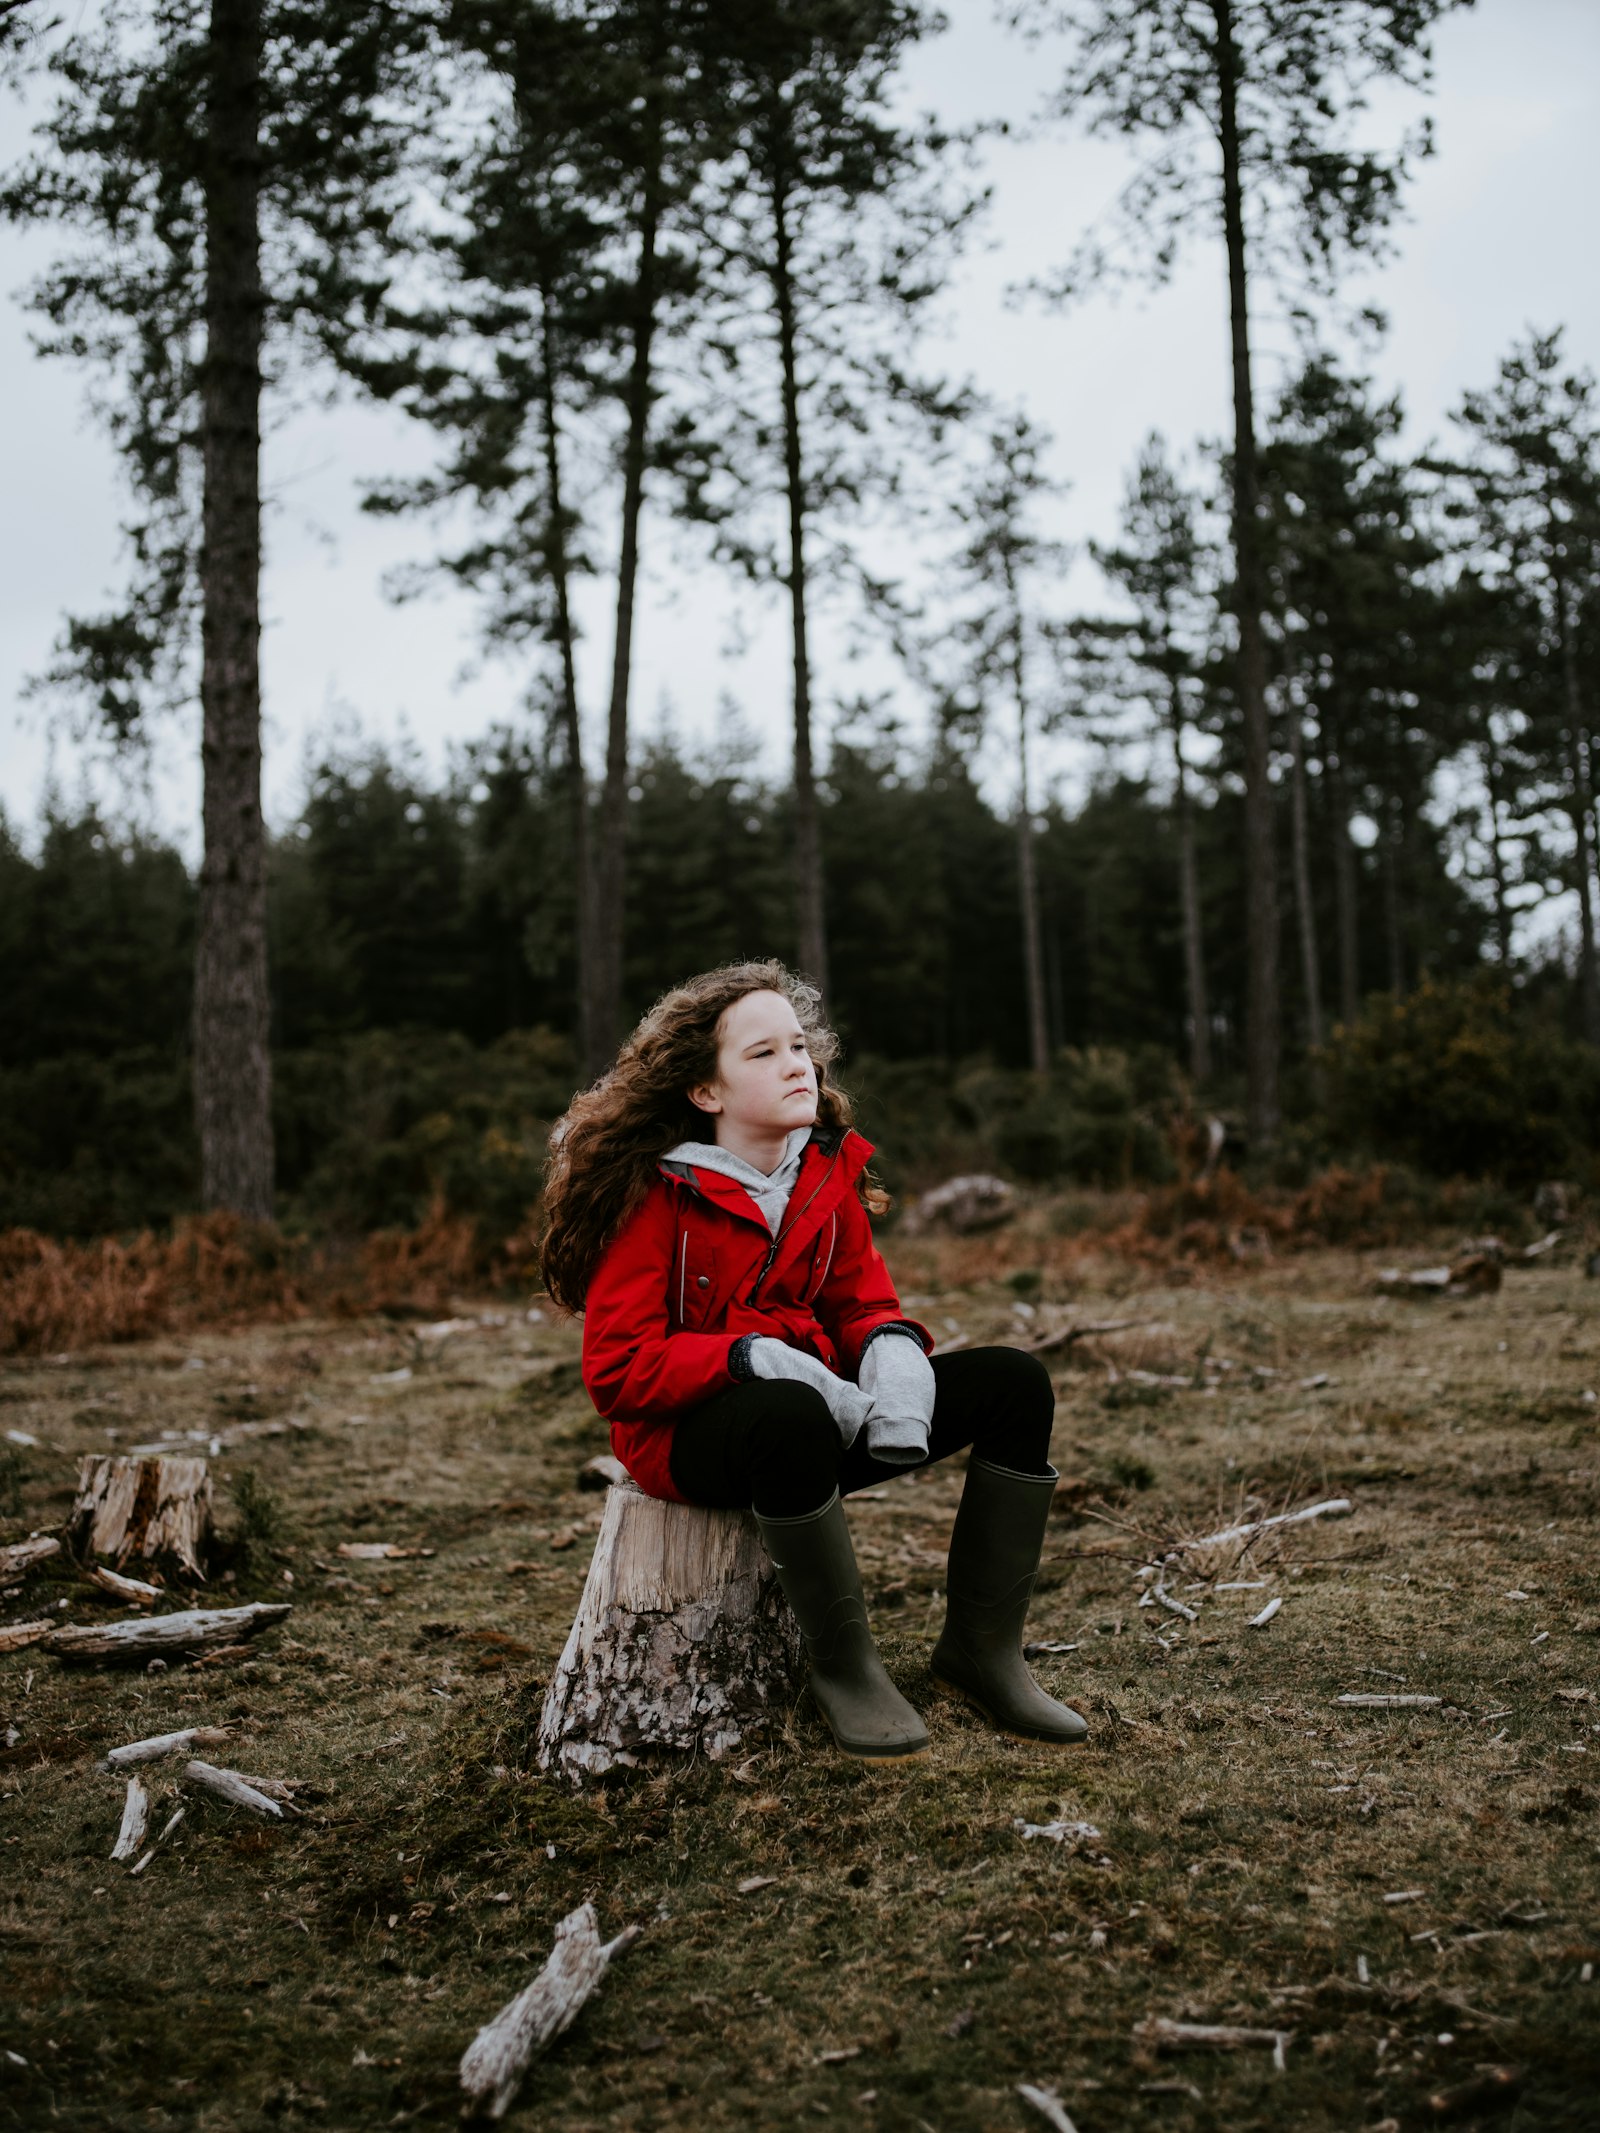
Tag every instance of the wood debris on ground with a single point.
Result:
(238, 1791)
(1212, 2037)
(379, 1552)
(159, 1744)
(494, 2063)
(1048, 2104)
(133, 1592)
(23, 1555)
(194, 1629)
(156, 1509)
(135, 1818)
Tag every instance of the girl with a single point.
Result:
(707, 1210)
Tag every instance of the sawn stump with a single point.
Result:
(683, 1644)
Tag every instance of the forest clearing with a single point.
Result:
(1402, 1893)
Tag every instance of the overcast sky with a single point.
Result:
(1498, 238)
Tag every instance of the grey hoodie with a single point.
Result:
(770, 1191)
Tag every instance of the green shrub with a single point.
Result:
(1456, 1081)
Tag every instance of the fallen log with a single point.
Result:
(22, 1555)
(159, 1744)
(135, 1816)
(158, 1510)
(230, 1786)
(1211, 2036)
(16, 1636)
(1388, 1703)
(196, 1629)
(493, 2064)
(682, 1644)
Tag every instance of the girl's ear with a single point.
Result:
(705, 1098)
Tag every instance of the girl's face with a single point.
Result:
(766, 1083)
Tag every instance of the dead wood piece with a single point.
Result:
(1163, 1598)
(493, 2064)
(379, 1552)
(135, 1816)
(1474, 1274)
(196, 1629)
(1212, 2036)
(1421, 1282)
(966, 1205)
(230, 1786)
(1074, 1833)
(682, 1645)
(1048, 1343)
(1389, 1703)
(603, 1471)
(153, 1509)
(1048, 2105)
(17, 1635)
(22, 1555)
(159, 1744)
(1261, 1620)
(1252, 1529)
(133, 1591)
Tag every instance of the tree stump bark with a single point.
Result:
(155, 1509)
(683, 1643)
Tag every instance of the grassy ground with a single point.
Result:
(911, 1959)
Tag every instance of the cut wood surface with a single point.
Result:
(150, 1509)
(683, 1643)
(16, 1636)
(494, 2063)
(230, 1786)
(135, 1815)
(22, 1555)
(159, 1744)
(196, 1629)
(134, 1591)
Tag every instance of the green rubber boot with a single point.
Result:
(816, 1567)
(994, 1559)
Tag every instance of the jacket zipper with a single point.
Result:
(766, 1264)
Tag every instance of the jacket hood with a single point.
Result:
(769, 1189)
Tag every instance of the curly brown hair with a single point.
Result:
(604, 1151)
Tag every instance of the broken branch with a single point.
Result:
(493, 2064)
(135, 1815)
(159, 1744)
(196, 1629)
(229, 1786)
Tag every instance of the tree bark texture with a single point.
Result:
(149, 1510)
(611, 867)
(1261, 867)
(1027, 868)
(593, 1056)
(1194, 954)
(683, 1644)
(1305, 907)
(232, 1062)
(1588, 976)
(1394, 930)
(811, 924)
(1346, 902)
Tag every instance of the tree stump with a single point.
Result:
(156, 1509)
(683, 1643)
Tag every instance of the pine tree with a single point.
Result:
(230, 176)
(1251, 103)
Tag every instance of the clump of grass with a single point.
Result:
(261, 1519)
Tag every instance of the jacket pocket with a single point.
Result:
(694, 1281)
(821, 1259)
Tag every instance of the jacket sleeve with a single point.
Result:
(857, 1294)
(633, 1366)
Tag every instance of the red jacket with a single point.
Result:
(695, 1267)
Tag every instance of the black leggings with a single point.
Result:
(771, 1444)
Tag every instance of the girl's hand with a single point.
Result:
(849, 1405)
(899, 1379)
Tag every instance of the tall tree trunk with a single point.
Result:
(1393, 851)
(1027, 871)
(1588, 979)
(232, 1060)
(1345, 904)
(813, 939)
(1494, 778)
(611, 868)
(1194, 959)
(1261, 864)
(593, 1057)
(1305, 908)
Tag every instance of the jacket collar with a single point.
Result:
(832, 1160)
